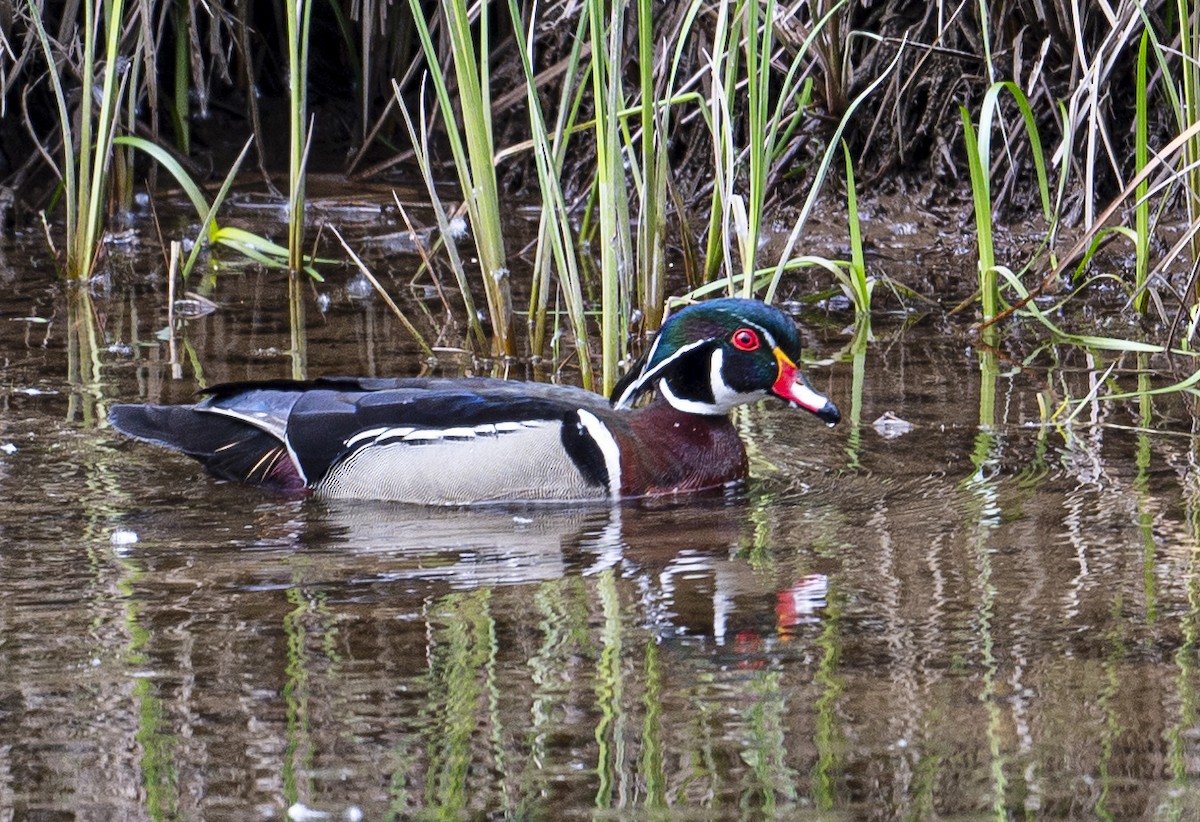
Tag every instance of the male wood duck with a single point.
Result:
(458, 441)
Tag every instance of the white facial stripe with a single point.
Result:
(686, 406)
(607, 444)
(770, 340)
(716, 379)
(623, 402)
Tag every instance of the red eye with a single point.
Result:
(745, 339)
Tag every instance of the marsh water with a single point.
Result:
(976, 617)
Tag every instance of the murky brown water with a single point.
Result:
(958, 622)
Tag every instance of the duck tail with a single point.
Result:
(227, 447)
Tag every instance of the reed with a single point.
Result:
(615, 243)
(180, 110)
(555, 222)
(850, 275)
(767, 119)
(1083, 250)
(651, 185)
(299, 22)
(637, 165)
(422, 155)
(857, 284)
(979, 159)
(744, 75)
(1141, 199)
(979, 165)
(555, 234)
(210, 231)
(473, 149)
(86, 154)
(775, 276)
(297, 326)
(758, 26)
(1179, 87)
(1189, 76)
(722, 84)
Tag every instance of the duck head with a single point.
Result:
(713, 356)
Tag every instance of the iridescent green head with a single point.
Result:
(713, 356)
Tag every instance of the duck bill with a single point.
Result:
(793, 387)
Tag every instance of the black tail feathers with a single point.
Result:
(228, 447)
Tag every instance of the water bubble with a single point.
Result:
(123, 536)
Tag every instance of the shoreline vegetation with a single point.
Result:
(649, 132)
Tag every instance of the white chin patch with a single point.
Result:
(725, 398)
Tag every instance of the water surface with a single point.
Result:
(963, 621)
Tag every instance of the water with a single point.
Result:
(960, 621)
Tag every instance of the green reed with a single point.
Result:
(1189, 75)
(652, 215)
(556, 241)
(1141, 199)
(555, 220)
(211, 233)
(180, 110)
(754, 93)
(774, 276)
(1179, 88)
(979, 159)
(765, 121)
(651, 184)
(757, 49)
(299, 21)
(857, 284)
(615, 242)
(775, 108)
(86, 154)
(473, 148)
(423, 156)
(631, 182)
(850, 275)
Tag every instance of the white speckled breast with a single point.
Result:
(509, 462)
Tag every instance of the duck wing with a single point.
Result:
(423, 440)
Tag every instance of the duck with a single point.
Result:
(665, 430)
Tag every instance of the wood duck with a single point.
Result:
(458, 441)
